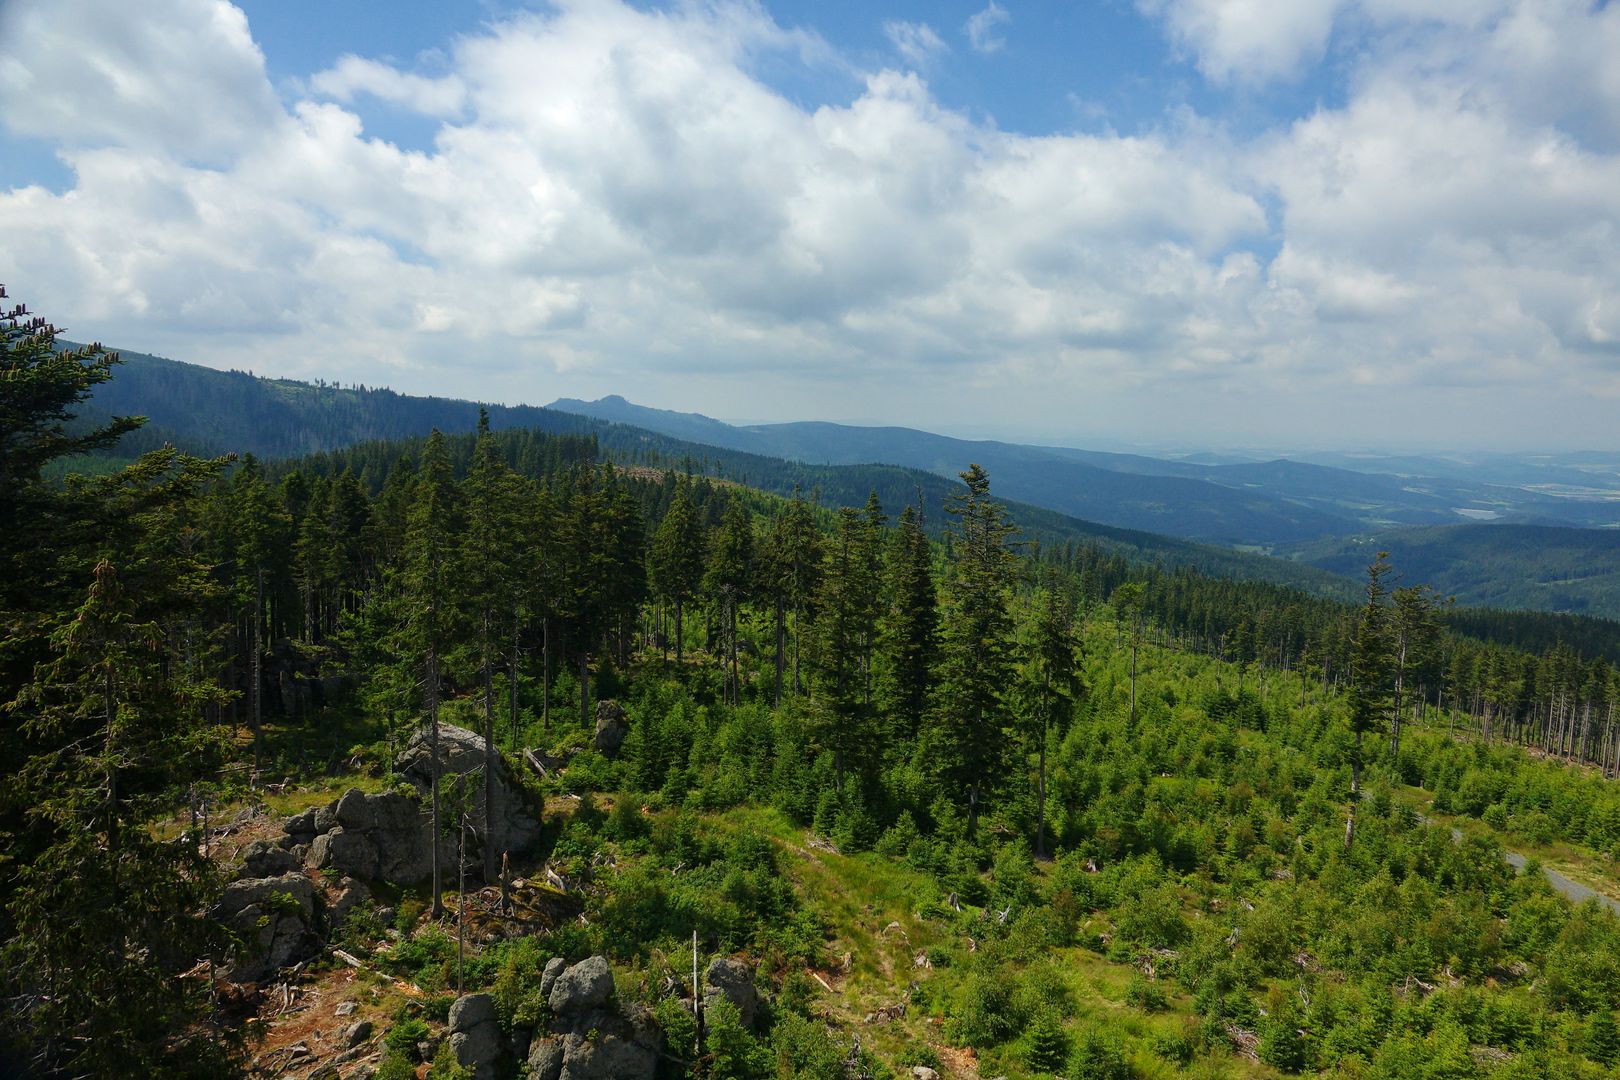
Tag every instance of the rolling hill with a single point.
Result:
(208, 411)
(1263, 505)
(1536, 567)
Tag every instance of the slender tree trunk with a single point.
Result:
(973, 809)
(545, 675)
(258, 676)
(1040, 795)
(584, 688)
(1395, 716)
(1133, 681)
(1355, 795)
(489, 753)
(680, 631)
(513, 678)
(437, 911)
(781, 644)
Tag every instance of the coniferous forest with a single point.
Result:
(496, 754)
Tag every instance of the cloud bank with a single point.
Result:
(614, 199)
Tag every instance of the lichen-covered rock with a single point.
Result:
(262, 859)
(611, 727)
(586, 985)
(277, 917)
(354, 811)
(621, 1050)
(475, 1036)
(513, 827)
(351, 894)
(732, 980)
(470, 1011)
(608, 1057)
(374, 837)
(349, 853)
(546, 1058)
(548, 975)
(589, 1038)
(301, 824)
(258, 892)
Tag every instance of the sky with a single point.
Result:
(1325, 223)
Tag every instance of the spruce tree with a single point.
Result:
(911, 625)
(1369, 678)
(1414, 647)
(972, 727)
(1052, 686)
(109, 624)
(430, 551)
(844, 628)
(676, 558)
(1127, 601)
(488, 566)
(730, 580)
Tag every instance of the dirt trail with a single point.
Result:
(1574, 890)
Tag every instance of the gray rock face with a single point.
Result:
(611, 727)
(586, 985)
(470, 1011)
(352, 893)
(610, 1057)
(262, 859)
(350, 853)
(588, 1039)
(513, 827)
(277, 916)
(388, 836)
(475, 1036)
(372, 837)
(732, 980)
(923, 1072)
(622, 1050)
(356, 1033)
(353, 811)
(548, 976)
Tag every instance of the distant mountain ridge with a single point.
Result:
(1270, 505)
(210, 411)
(1538, 567)
(205, 410)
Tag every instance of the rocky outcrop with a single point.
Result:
(382, 837)
(588, 1038)
(277, 917)
(586, 985)
(611, 727)
(733, 981)
(475, 1035)
(548, 975)
(513, 826)
(388, 836)
(262, 859)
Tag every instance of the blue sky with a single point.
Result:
(1199, 222)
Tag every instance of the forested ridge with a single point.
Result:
(205, 411)
(961, 802)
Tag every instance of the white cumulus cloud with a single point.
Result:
(614, 199)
